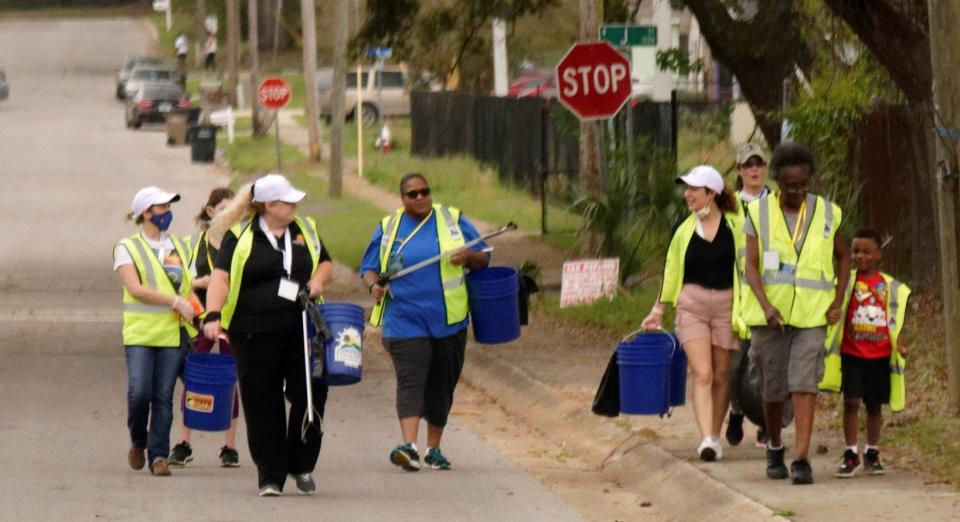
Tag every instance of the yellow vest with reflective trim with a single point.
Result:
(147, 324)
(244, 234)
(676, 255)
(896, 310)
(802, 287)
(452, 277)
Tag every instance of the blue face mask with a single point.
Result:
(162, 221)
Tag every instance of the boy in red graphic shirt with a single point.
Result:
(871, 360)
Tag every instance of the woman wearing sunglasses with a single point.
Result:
(423, 314)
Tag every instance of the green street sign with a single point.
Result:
(629, 35)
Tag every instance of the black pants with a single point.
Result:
(427, 374)
(265, 361)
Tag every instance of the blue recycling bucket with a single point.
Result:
(645, 362)
(209, 381)
(343, 352)
(495, 304)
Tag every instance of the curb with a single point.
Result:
(673, 485)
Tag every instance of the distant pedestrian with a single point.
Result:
(182, 47)
(700, 278)
(157, 318)
(203, 251)
(751, 185)
(210, 52)
(424, 314)
(792, 244)
(865, 357)
(271, 254)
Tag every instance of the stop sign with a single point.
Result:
(274, 93)
(593, 80)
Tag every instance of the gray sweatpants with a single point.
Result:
(427, 372)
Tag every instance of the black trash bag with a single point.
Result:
(606, 402)
(528, 285)
(751, 400)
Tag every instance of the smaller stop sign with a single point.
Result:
(593, 80)
(274, 93)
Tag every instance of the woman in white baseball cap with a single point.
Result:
(269, 254)
(700, 279)
(151, 266)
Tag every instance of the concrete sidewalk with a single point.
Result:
(547, 380)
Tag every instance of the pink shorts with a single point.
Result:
(705, 314)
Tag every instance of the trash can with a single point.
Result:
(203, 143)
(177, 128)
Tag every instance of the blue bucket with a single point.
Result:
(343, 352)
(209, 380)
(645, 363)
(678, 377)
(495, 304)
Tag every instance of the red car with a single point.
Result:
(533, 85)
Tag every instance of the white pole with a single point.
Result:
(357, 116)
(500, 78)
(169, 19)
(663, 80)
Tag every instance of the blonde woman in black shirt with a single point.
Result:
(700, 279)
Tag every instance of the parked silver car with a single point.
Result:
(392, 100)
(136, 62)
(4, 86)
(144, 75)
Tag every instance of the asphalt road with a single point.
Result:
(68, 169)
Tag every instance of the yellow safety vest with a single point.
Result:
(148, 324)
(308, 227)
(896, 309)
(676, 254)
(452, 277)
(802, 287)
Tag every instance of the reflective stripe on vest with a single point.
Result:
(800, 287)
(147, 324)
(308, 227)
(452, 280)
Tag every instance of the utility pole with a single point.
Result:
(253, 39)
(342, 15)
(309, 20)
(233, 49)
(945, 58)
(201, 32)
(590, 16)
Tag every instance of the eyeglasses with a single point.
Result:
(414, 193)
(751, 164)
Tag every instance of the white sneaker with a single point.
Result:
(710, 450)
(270, 490)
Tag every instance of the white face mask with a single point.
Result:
(703, 212)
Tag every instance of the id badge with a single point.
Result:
(771, 260)
(395, 264)
(288, 289)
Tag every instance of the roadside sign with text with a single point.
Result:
(274, 93)
(593, 80)
(629, 35)
(586, 280)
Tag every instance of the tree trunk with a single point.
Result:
(308, 16)
(338, 99)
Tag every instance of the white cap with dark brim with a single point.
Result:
(150, 196)
(703, 176)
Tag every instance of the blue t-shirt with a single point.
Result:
(417, 307)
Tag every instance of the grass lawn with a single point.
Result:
(619, 316)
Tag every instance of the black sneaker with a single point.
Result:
(270, 490)
(872, 463)
(734, 432)
(800, 472)
(435, 459)
(229, 458)
(776, 469)
(851, 465)
(406, 457)
(305, 483)
(181, 454)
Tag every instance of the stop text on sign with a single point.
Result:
(274, 93)
(596, 79)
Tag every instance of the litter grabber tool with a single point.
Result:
(311, 313)
(390, 276)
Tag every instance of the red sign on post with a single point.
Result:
(593, 80)
(274, 93)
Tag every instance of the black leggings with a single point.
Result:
(265, 362)
(427, 374)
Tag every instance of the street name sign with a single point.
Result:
(593, 80)
(629, 35)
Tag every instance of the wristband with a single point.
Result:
(211, 317)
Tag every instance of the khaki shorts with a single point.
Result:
(705, 314)
(788, 362)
